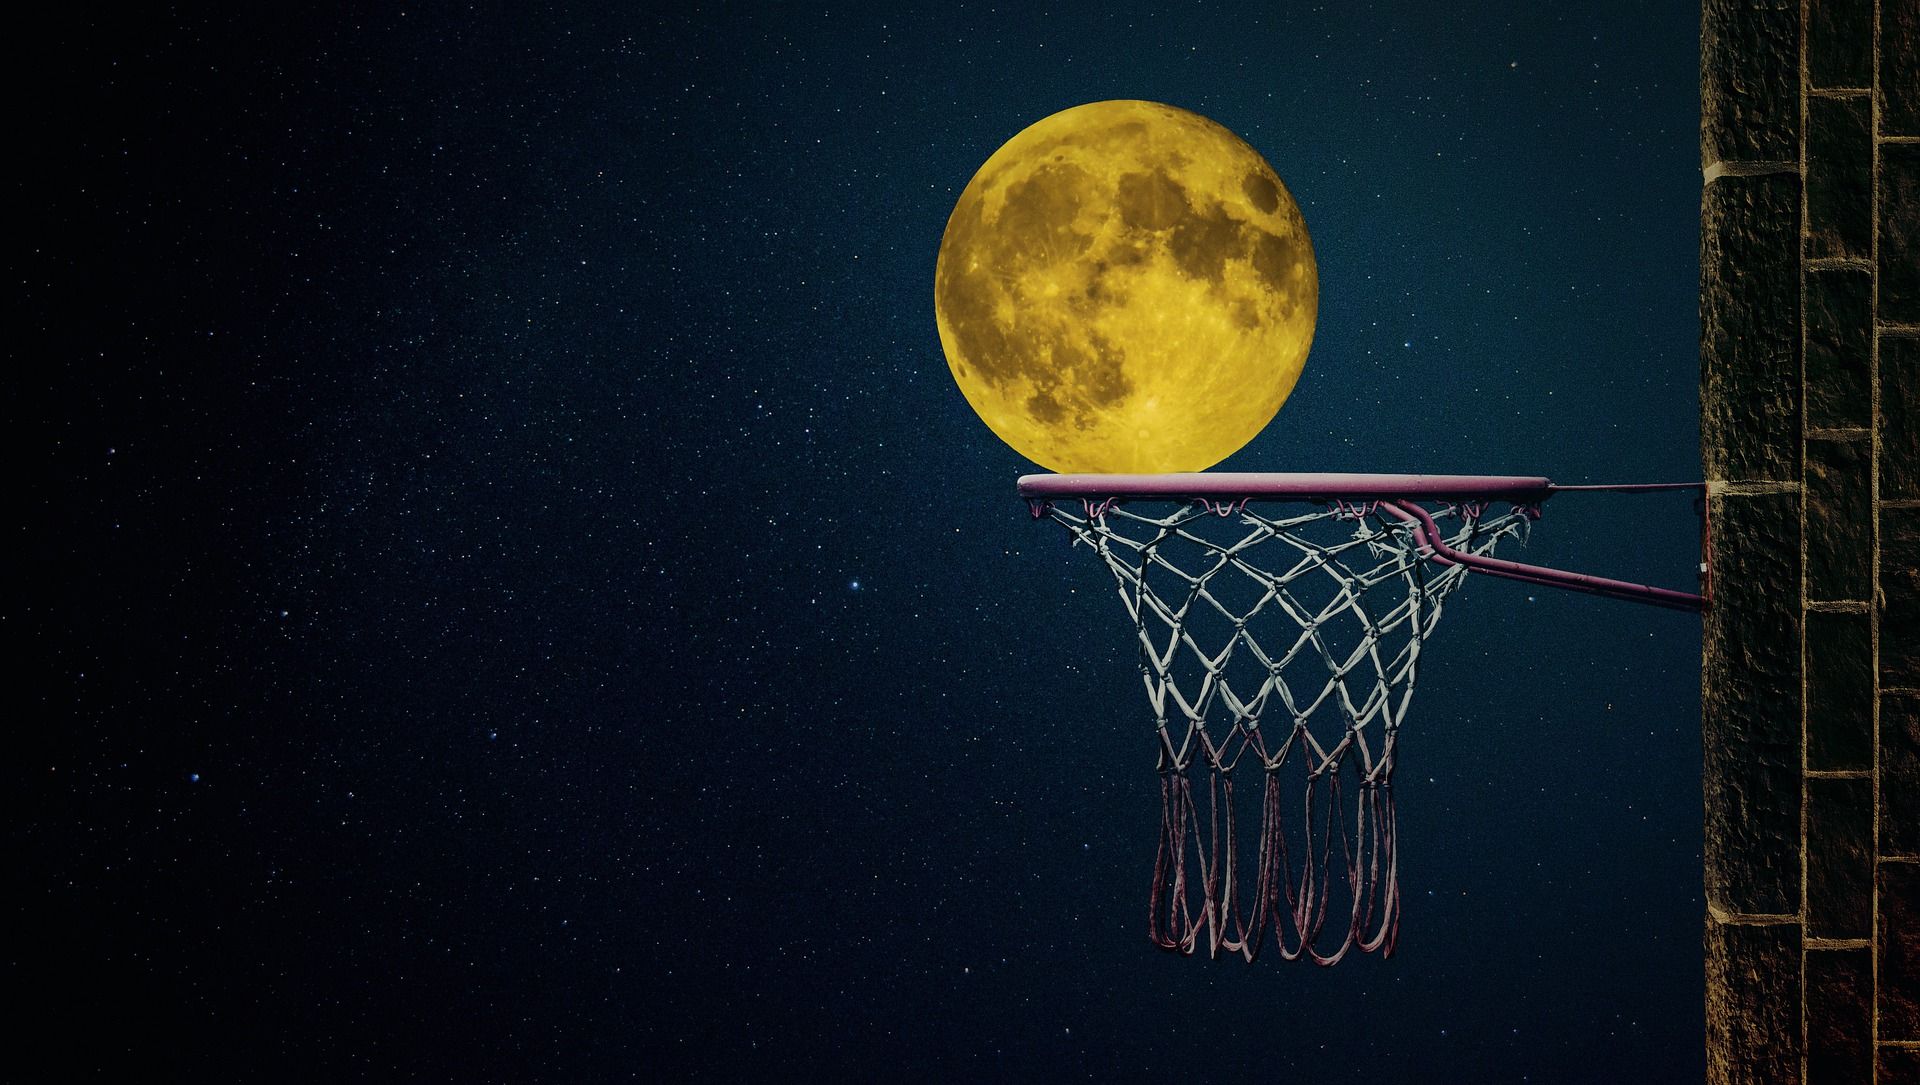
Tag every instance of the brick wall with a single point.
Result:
(1810, 432)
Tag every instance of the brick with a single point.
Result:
(1839, 347)
(1899, 418)
(1900, 774)
(1839, 662)
(1900, 233)
(1839, 178)
(1839, 858)
(1839, 1014)
(1753, 1003)
(1900, 597)
(1749, 81)
(1750, 705)
(1898, 1064)
(1839, 519)
(1750, 327)
(1840, 43)
(1899, 946)
(1899, 68)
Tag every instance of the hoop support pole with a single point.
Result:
(1428, 534)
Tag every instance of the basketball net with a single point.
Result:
(1284, 647)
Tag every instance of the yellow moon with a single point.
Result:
(1126, 287)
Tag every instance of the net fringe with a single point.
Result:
(1342, 700)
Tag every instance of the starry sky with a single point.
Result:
(510, 590)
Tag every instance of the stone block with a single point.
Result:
(1899, 68)
(1750, 705)
(1839, 347)
(1839, 519)
(1749, 81)
(1840, 43)
(1899, 233)
(1750, 390)
(1898, 1064)
(1839, 858)
(1899, 418)
(1900, 597)
(1839, 1015)
(1839, 662)
(1753, 1003)
(1839, 178)
(1900, 774)
(1899, 946)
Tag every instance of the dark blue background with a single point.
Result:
(512, 591)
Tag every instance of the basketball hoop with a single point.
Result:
(1305, 597)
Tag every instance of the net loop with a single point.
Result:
(1315, 616)
(1354, 510)
(1221, 508)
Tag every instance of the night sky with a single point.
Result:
(510, 591)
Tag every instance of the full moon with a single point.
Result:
(1126, 287)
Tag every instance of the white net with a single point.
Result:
(1285, 646)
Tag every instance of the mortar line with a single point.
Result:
(1838, 606)
(1752, 487)
(1759, 168)
(1873, 483)
(1806, 790)
(1751, 919)
(1832, 944)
